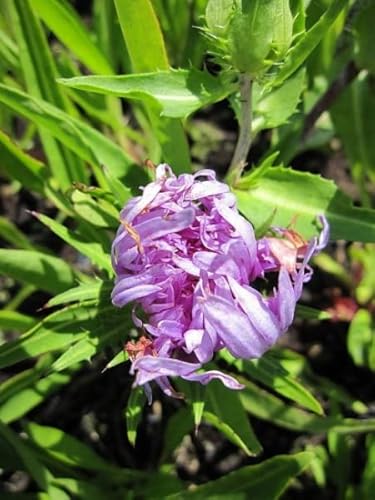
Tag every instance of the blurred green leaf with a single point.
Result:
(133, 412)
(81, 293)
(98, 337)
(40, 78)
(180, 424)
(224, 410)
(266, 480)
(65, 448)
(63, 20)
(83, 140)
(361, 339)
(269, 371)
(368, 477)
(14, 320)
(44, 271)
(307, 312)
(20, 166)
(90, 249)
(56, 331)
(178, 92)
(99, 213)
(352, 117)
(290, 193)
(265, 406)
(147, 52)
(339, 447)
(23, 392)
(9, 232)
(365, 36)
(306, 44)
(120, 192)
(364, 256)
(34, 467)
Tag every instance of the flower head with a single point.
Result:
(187, 259)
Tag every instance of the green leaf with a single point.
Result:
(83, 140)
(267, 480)
(133, 413)
(290, 193)
(179, 425)
(141, 31)
(269, 371)
(99, 336)
(44, 271)
(178, 92)
(195, 394)
(40, 78)
(366, 37)
(352, 117)
(81, 293)
(265, 406)
(9, 232)
(68, 27)
(307, 312)
(90, 249)
(34, 467)
(368, 478)
(78, 488)
(306, 44)
(55, 332)
(65, 448)
(361, 339)
(120, 192)
(119, 358)
(13, 320)
(99, 213)
(147, 52)
(20, 166)
(25, 391)
(224, 410)
(273, 108)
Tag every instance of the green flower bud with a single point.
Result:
(250, 35)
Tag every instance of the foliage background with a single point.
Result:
(71, 154)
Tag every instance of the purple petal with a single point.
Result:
(206, 377)
(257, 311)
(233, 327)
(120, 299)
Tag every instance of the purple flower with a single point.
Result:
(187, 259)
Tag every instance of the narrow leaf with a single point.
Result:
(178, 92)
(83, 140)
(90, 249)
(44, 271)
(266, 480)
(225, 411)
(293, 195)
(68, 27)
(307, 43)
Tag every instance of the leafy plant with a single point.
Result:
(86, 101)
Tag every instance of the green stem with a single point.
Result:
(244, 138)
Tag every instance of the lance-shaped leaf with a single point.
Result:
(83, 140)
(44, 271)
(266, 480)
(300, 197)
(178, 92)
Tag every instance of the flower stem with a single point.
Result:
(244, 138)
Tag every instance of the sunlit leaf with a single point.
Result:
(301, 197)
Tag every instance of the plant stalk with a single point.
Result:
(243, 145)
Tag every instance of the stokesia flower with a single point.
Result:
(187, 260)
